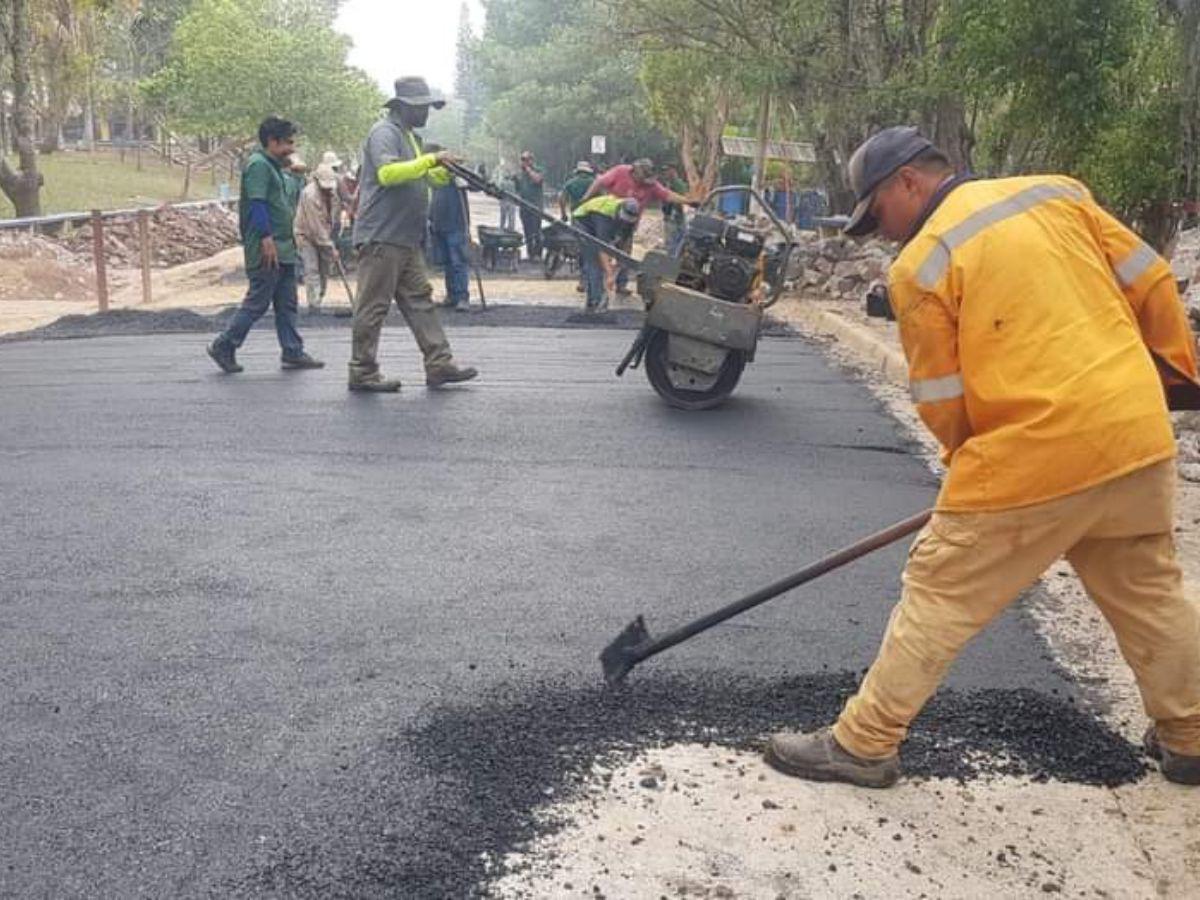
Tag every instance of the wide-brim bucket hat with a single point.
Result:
(415, 91)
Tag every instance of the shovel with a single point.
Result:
(635, 644)
(345, 281)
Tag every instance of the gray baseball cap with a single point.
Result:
(878, 157)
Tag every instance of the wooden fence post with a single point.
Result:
(143, 227)
(98, 257)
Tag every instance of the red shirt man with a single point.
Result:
(636, 181)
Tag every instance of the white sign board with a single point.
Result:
(747, 148)
(599, 145)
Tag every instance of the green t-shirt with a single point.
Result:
(529, 190)
(673, 211)
(264, 179)
(574, 189)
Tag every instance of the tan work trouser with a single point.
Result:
(388, 272)
(965, 568)
(318, 262)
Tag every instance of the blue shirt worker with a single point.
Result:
(389, 233)
(266, 210)
(449, 226)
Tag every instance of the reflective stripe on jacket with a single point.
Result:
(1025, 311)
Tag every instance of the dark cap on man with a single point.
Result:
(629, 210)
(877, 158)
(414, 91)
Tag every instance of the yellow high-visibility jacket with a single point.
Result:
(1027, 314)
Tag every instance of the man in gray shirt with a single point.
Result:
(389, 232)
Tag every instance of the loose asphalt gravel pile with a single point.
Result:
(493, 768)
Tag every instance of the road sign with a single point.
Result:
(599, 144)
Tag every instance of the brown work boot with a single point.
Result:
(448, 373)
(376, 385)
(818, 757)
(1175, 766)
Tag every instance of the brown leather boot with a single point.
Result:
(449, 373)
(376, 386)
(1175, 766)
(818, 757)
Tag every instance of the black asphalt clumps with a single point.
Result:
(125, 322)
(494, 768)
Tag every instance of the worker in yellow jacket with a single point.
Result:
(1039, 333)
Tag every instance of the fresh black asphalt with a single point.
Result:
(259, 636)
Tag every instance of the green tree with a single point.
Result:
(555, 76)
(1185, 15)
(467, 88)
(232, 62)
(690, 98)
(22, 185)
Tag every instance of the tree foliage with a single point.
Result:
(468, 89)
(1104, 89)
(555, 77)
(232, 62)
(21, 185)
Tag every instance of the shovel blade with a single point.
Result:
(623, 653)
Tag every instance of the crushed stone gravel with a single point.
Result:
(493, 768)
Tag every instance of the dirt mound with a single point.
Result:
(176, 236)
(35, 268)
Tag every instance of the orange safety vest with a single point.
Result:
(1028, 315)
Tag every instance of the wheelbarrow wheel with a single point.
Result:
(551, 264)
(659, 371)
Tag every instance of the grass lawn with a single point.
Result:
(77, 182)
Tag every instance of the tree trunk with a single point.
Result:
(1189, 47)
(22, 187)
(51, 135)
(687, 156)
(829, 173)
(717, 120)
(89, 116)
(951, 133)
(764, 135)
(701, 153)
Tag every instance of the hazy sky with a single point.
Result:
(405, 37)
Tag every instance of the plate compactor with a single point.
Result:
(704, 306)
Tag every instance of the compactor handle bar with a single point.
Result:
(494, 190)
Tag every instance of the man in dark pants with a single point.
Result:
(572, 196)
(531, 189)
(612, 219)
(389, 233)
(266, 211)
(449, 224)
